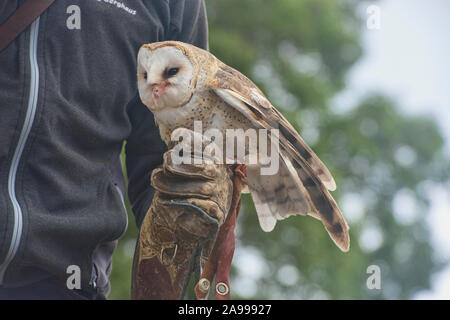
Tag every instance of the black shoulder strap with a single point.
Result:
(21, 19)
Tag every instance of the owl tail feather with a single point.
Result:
(295, 190)
(324, 206)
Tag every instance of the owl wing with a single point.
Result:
(307, 171)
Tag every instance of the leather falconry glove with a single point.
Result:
(190, 203)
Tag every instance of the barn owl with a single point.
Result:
(181, 83)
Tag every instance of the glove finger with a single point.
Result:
(201, 218)
(212, 208)
(173, 185)
(198, 167)
(192, 153)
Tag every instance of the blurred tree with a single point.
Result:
(299, 52)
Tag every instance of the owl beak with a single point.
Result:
(158, 90)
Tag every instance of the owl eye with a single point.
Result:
(145, 75)
(172, 71)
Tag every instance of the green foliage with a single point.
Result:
(299, 52)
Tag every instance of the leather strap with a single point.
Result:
(21, 19)
(219, 261)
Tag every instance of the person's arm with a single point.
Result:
(144, 148)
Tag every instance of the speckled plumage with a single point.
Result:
(207, 90)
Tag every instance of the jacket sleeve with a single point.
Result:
(144, 148)
(188, 22)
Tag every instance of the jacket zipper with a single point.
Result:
(29, 118)
(124, 208)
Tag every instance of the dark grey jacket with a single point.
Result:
(68, 100)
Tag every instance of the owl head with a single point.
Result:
(166, 75)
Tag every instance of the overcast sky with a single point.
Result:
(408, 59)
